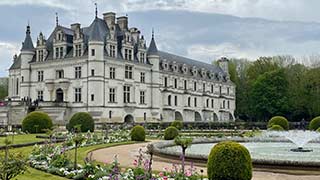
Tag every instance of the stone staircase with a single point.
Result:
(57, 114)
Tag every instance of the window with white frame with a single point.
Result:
(77, 94)
(78, 50)
(59, 74)
(128, 72)
(126, 94)
(61, 52)
(142, 77)
(40, 95)
(112, 72)
(142, 97)
(40, 76)
(112, 52)
(77, 72)
(142, 57)
(112, 95)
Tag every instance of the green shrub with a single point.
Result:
(229, 160)
(314, 123)
(178, 124)
(36, 122)
(279, 120)
(83, 120)
(138, 133)
(276, 128)
(170, 133)
(318, 130)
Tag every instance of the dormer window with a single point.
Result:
(59, 36)
(112, 52)
(184, 69)
(175, 67)
(165, 65)
(78, 50)
(203, 73)
(40, 55)
(194, 71)
(142, 57)
(211, 75)
(127, 54)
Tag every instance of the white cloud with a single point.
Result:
(7, 50)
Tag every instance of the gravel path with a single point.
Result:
(127, 153)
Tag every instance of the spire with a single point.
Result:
(96, 9)
(152, 50)
(27, 45)
(57, 19)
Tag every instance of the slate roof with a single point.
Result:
(98, 30)
(27, 44)
(17, 63)
(152, 50)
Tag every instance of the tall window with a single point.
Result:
(112, 51)
(224, 104)
(112, 73)
(228, 90)
(128, 72)
(228, 104)
(195, 86)
(165, 82)
(92, 97)
(92, 72)
(142, 97)
(40, 76)
(61, 52)
(212, 88)
(40, 55)
(126, 94)
(57, 53)
(78, 51)
(130, 54)
(185, 84)
(142, 56)
(195, 102)
(77, 94)
(59, 74)
(220, 90)
(77, 72)
(176, 100)
(40, 95)
(175, 83)
(127, 54)
(212, 103)
(204, 87)
(93, 52)
(189, 101)
(112, 95)
(169, 100)
(142, 77)
(207, 104)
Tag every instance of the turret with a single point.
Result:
(152, 54)
(27, 53)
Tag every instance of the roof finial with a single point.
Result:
(57, 19)
(152, 33)
(96, 9)
(28, 28)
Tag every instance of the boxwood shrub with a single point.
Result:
(138, 133)
(177, 123)
(170, 133)
(82, 119)
(314, 123)
(279, 120)
(229, 160)
(276, 128)
(36, 122)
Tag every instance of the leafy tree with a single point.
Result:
(269, 95)
(184, 143)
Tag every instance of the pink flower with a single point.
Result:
(160, 174)
(135, 162)
(188, 173)
(105, 161)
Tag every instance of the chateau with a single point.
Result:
(107, 69)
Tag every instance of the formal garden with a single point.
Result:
(39, 150)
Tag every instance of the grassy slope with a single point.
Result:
(20, 139)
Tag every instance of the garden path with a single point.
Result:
(127, 153)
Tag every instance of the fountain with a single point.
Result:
(298, 137)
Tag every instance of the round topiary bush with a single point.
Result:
(170, 133)
(279, 120)
(82, 119)
(138, 133)
(318, 130)
(178, 124)
(314, 123)
(36, 122)
(229, 160)
(276, 128)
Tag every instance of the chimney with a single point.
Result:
(135, 34)
(75, 26)
(123, 22)
(109, 18)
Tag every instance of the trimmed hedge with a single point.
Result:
(36, 122)
(83, 119)
(138, 133)
(170, 133)
(279, 120)
(314, 123)
(178, 124)
(229, 160)
(276, 128)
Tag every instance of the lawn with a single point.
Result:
(20, 139)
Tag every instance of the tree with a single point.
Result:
(269, 95)
(312, 90)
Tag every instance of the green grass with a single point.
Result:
(20, 139)
(34, 174)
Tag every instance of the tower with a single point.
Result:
(27, 53)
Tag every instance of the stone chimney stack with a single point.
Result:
(75, 26)
(135, 34)
(123, 22)
(109, 18)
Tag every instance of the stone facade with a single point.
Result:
(107, 70)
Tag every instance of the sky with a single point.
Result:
(204, 30)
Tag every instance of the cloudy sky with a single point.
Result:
(204, 30)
